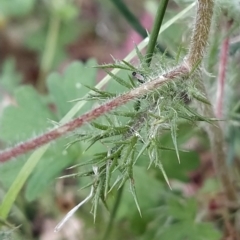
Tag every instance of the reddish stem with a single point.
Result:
(222, 71)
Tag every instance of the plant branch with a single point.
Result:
(62, 130)
(196, 53)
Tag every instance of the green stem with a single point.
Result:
(136, 25)
(49, 51)
(113, 214)
(156, 28)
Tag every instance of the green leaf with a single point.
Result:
(30, 117)
(16, 8)
(182, 209)
(146, 186)
(66, 11)
(114, 87)
(27, 119)
(67, 33)
(174, 170)
(120, 80)
(55, 160)
(188, 230)
(115, 66)
(132, 67)
(207, 231)
(201, 98)
(9, 171)
(69, 86)
(189, 160)
(9, 78)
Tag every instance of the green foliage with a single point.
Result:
(70, 86)
(9, 78)
(32, 115)
(16, 8)
(19, 122)
(176, 219)
(231, 8)
(165, 214)
(37, 39)
(66, 10)
(6, 235)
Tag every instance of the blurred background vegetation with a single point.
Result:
(47, 48)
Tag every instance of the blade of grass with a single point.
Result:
(35, 157)
(19, 181)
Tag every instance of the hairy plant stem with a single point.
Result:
(196, 53)
(91, 115)
(200, 33)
